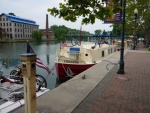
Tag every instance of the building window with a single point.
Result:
(15, 24)
(10, 24)
(7, 24)
(15, 29)
(10, 29)
(18, 30)
(10, 36)
(3, 19)
(3, 24)
(6, 19)
(0, 19)
(7, 30)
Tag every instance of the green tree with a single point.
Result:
(104, 32)
(89, 10)
(141, 25)
(37, 35)
(60, 32)
(117, 29)
(98, 31)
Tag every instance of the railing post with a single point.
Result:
(28, 66)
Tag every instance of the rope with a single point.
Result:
(66, 71)
(109, 63)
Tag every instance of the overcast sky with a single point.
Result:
(37, 9)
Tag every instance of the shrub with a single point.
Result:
(149, 49)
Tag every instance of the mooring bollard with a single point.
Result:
(28, 66)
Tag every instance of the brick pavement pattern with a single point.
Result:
(128, 93)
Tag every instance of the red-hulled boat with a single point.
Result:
(72, 60)
(70, 70)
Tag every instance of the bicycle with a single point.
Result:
(98, 42)
(16, 77)
(75, 42)
(133, 48)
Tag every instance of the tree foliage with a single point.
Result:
(37, 35)
(139, 26)
(61, 32)
(98, 31)
(90, 10)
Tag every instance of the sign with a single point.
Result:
(116, 18)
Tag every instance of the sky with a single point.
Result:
(37, 9)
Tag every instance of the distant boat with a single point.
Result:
(74, 59)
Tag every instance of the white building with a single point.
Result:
(16, 27)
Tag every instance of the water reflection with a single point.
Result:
(46, 51)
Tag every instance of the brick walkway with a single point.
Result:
(128, 93)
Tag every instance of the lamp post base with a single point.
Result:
(121, 68)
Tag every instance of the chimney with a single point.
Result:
(47, 26)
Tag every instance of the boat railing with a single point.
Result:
(57, 52)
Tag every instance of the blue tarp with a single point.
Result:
(102, 35)
(74, 50)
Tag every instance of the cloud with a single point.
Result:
(37, 9)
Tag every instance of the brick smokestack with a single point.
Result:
(47, 26)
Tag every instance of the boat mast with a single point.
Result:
(80, 34)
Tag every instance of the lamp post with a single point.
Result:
(135, 36)
(121, 62)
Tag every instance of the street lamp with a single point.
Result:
(135, 36)
(121, 62)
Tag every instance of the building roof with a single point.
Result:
(13, 18)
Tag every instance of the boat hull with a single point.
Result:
(62, 69)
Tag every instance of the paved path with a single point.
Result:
(128, 93)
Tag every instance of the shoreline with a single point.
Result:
(30, 40)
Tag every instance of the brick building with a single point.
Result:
(48, 35)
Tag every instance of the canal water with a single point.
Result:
(46, 51)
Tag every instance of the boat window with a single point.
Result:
(108, 51)
(102, 53)
(111, 50)
(114, 49)
(86, 54)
